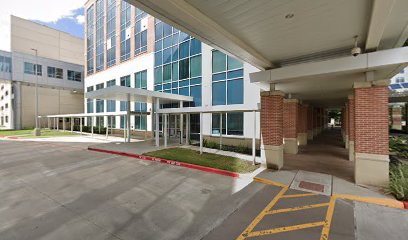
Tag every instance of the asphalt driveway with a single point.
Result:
(62, 191)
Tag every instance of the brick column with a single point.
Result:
(272, 129)
(343, 127)
(302, 125)
(396, 118)
(371, 132)
(290, 114)
(315, 120)
(351, 129)
(310, 123)
(346, 129)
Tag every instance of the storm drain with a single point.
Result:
(312, 182)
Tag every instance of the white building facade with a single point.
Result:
(140, 51)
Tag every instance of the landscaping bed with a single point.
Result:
(206, 159)
(237, 149)
(398, 185)
(28, 133)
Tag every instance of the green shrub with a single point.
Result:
(398, 185)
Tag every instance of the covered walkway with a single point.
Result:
(324, 154)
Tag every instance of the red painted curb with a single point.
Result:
(171, 162)
(405, 204)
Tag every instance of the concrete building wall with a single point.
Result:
(50, 101)
(6, 111)
(49, 42)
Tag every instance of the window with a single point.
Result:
(100, 104)
(100, 46)
(125, 14)
(90, 39)
(6, 119)
(140, 122)
(6, 93)
(141, 79)
(140, 32)
(5, 64)
(178, 63)
(125, 81)
(30, 68)
(228, 83)
(111, 33)
(111, 83)
(89, 105)
(141, 82)
(111, 104)
(6, 106)
(232, 123)
(74, 76)
(55, 72)
(89, 101)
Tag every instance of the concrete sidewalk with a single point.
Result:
(278, 211)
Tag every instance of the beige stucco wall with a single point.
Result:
(49, 42)
(50, 101)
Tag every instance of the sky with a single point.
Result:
(64, 15)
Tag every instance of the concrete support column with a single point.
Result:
(396, 118)
(272, 128)
(371, 132)
(302, 125)
(309, 123)
(351, 128)
(290, 114)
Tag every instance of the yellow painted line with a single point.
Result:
(327, 221)
(379, 201)
(270, 182)
(299, 195)
(283, 210)
(285, 229)
(261, 215)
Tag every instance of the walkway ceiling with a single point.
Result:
(269, 33)
(279, 34)
(121, 93)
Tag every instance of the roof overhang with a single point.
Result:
(121, 93)
(270, 34)
(328, 83)
(102, 114)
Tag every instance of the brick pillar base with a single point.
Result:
(396, 118)
(272, 129)
(290, 114)
(371, 133)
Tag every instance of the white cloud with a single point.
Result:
(80, 19)
(42, 10)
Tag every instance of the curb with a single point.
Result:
(405, 204)
(170, 162)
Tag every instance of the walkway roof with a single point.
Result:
(273, 33)
(121, 93)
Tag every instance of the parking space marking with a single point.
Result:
(379, 201)
(283, 210)
(270, 182)
(261, 215)
(299, 195)
(328, 220)
(285, 229)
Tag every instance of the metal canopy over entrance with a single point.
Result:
(121, 93)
